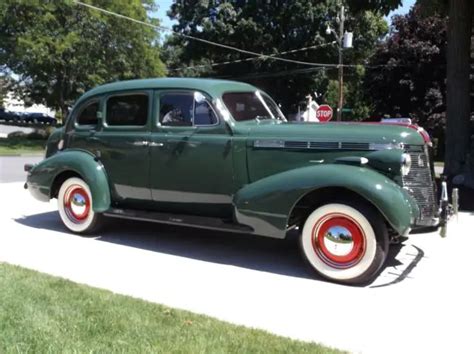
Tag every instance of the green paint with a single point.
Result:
(251, 172)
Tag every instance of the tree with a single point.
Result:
(459, 152)
(459, 129)
(3, 90)
(270, 28)
(60, 49)
(406, 74)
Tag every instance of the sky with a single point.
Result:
(406, 5)
(164, 5)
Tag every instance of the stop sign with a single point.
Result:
(324, 113)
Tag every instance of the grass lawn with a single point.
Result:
(41, 313)
(16, 146)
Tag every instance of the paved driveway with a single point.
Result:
(12, 167)
(7, 129)
(422, 302)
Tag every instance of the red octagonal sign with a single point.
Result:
(324, 113)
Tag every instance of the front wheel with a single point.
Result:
(346, 243)
(75, 207)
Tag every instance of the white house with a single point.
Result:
(13, 104)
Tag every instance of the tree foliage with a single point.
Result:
(60, 49)
(3, 90)
(270, 27)
(406, 75)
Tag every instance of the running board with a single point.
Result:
(178, 219)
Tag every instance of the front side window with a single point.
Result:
(204, 114)
(251, 105)
(176, 109)
(127, 110)
(88, 115)
(182, 109)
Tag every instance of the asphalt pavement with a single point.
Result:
(12, 167)
(7, 129)
(421, 302)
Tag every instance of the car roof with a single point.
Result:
(213, 87)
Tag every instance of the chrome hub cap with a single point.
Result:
(77, 204)
(338, 240)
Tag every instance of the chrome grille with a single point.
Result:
(420, 184)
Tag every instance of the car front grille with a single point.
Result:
(420, 184)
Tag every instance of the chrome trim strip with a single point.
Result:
(266, 144)
(322, 145)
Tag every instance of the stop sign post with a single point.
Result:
(324, 113)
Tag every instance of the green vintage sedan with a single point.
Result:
(220, 155)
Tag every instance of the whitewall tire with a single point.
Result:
(75, 206)
(345, 242)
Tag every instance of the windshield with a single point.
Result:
(251, 105)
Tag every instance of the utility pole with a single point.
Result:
(340, 67)
(343, 40)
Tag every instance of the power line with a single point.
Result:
(253, 58)
(244, 51)
(273, 74)
(264, 56)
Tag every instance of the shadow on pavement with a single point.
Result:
(246, 251)
(47, 221)
(257, 253)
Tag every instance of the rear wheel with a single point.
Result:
(75, 207)
(345, 242)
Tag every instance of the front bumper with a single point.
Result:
(446, 210)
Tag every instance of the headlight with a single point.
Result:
(405, 164)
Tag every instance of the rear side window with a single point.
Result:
(88, 115)
(127, 110)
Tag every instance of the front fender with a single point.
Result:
(41, 177)
(266, 204)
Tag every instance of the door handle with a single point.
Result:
(140, 143)
(153, 144)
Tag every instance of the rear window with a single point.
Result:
(127, 110)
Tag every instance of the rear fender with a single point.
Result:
(266, 204)
(42, 176)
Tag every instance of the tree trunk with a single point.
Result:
(458, 132)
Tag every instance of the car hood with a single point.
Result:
(343, 132)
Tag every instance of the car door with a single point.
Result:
(191, 156)
(120, 141)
